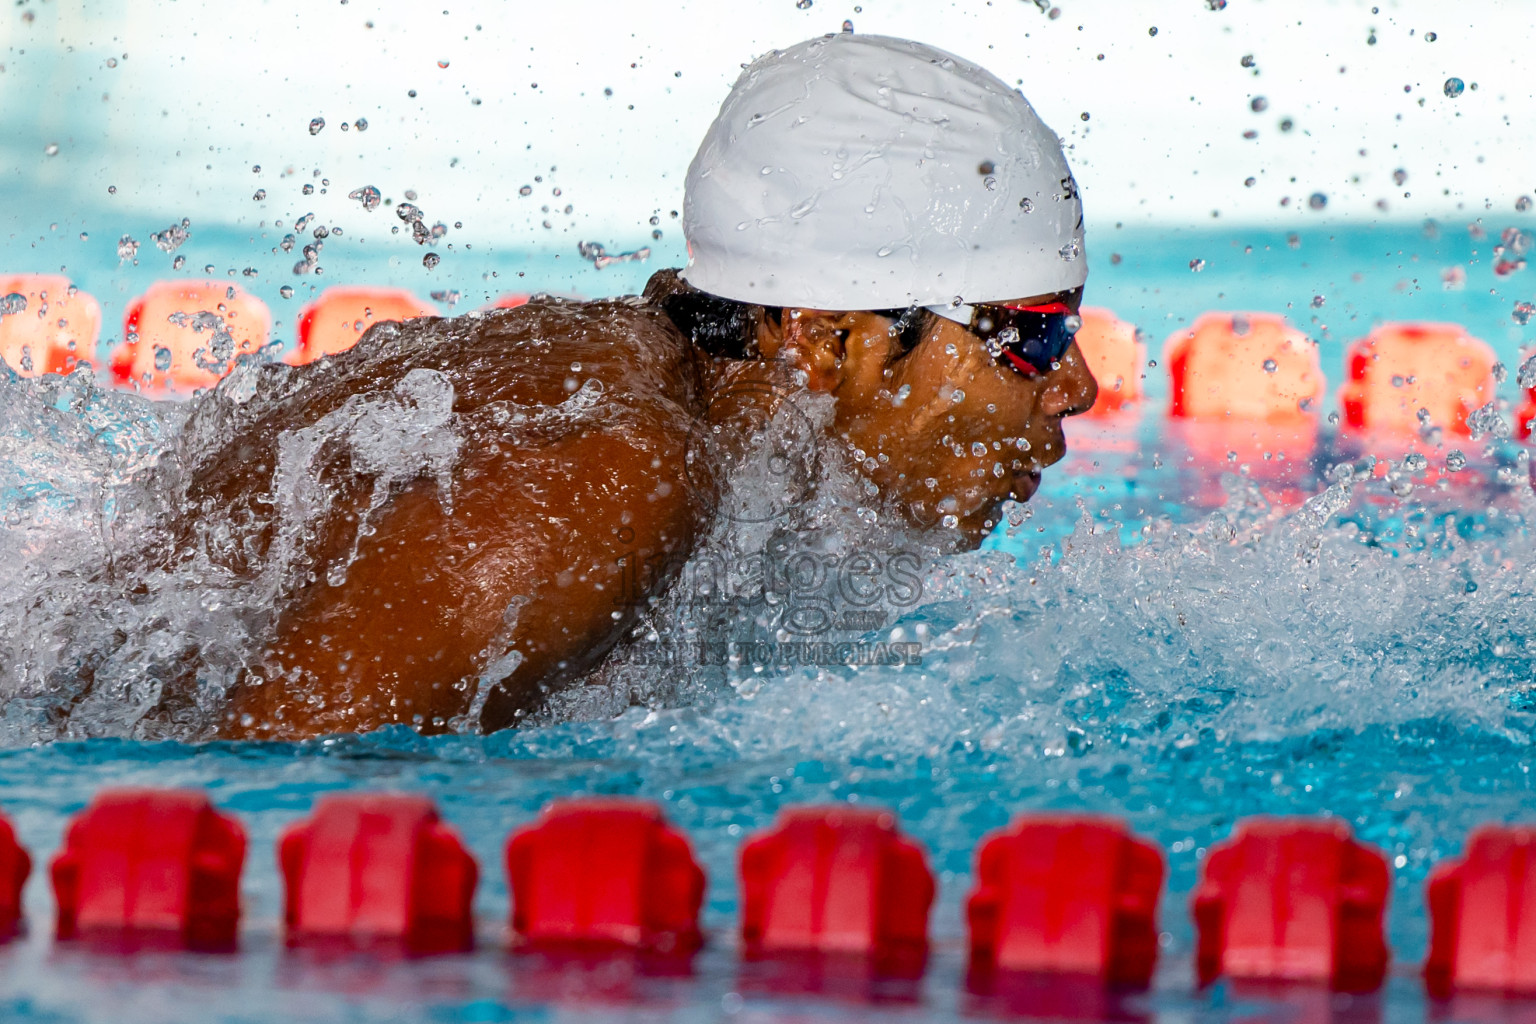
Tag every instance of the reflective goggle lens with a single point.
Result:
(1029, 339)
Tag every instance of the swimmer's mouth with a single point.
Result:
(1025, 485)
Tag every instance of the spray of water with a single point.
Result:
(809, 618)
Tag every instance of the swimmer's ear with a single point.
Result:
(834, 349)
(868, 349)
(813, 344)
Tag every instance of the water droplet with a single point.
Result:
(1027, 205)
(442, 64)
(431, 260)
(127, 248)
(1215, 5)
(1455, 460)
(261, 194)
(1247, 60)
(162, 358)
(369, 196)
(1259, 104)
(978, 449)
(1317, 200)
(1286, 124)
(1454, 87)
(52, 149)
(1084, 115)
(1152, 31)
(884, 251)
(990, 183)
(1523, 204)
(1270, 366)
(1399, 176)
(172, 237)
(1070, 251)
(1317, 301)
(12, 304)
(1072, 322)
(951, 520)
(1523, 312)
(315, 125)
(1196, 265)
(1430, 37)
(178, 262)
(286, 291)
(1250, 182)
(803, 5)
(847, 26)
(111, 62)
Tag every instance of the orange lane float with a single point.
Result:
(46, 324)
(335, 321)
(1244, 388)
(1117, 359)
(1405, 377)
(184, 335)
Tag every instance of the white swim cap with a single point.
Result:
(865, 172)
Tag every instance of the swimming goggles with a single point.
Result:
(1028, 339)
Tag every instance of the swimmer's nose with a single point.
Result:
(1070, 388)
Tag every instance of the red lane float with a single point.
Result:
(1400, 369)
(837, 880)
(1115, 357)
(1482, 910)
(183, 335)
(1525, 417)
(1066, 893)
(15, 866)
(604, 873)
(159, 863)
(57, 328)
(1293, 900)
(373, 868)
(335, 321)
(511, 300)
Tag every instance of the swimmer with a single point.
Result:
(867, 217)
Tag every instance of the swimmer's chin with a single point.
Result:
(1024, 486)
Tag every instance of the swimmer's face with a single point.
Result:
(943, 427)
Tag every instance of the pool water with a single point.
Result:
(1122, 646)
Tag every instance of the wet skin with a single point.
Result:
(913, 421)
(520, 564)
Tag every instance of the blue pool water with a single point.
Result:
(1125, 649)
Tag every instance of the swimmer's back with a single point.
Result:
(443, 515)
